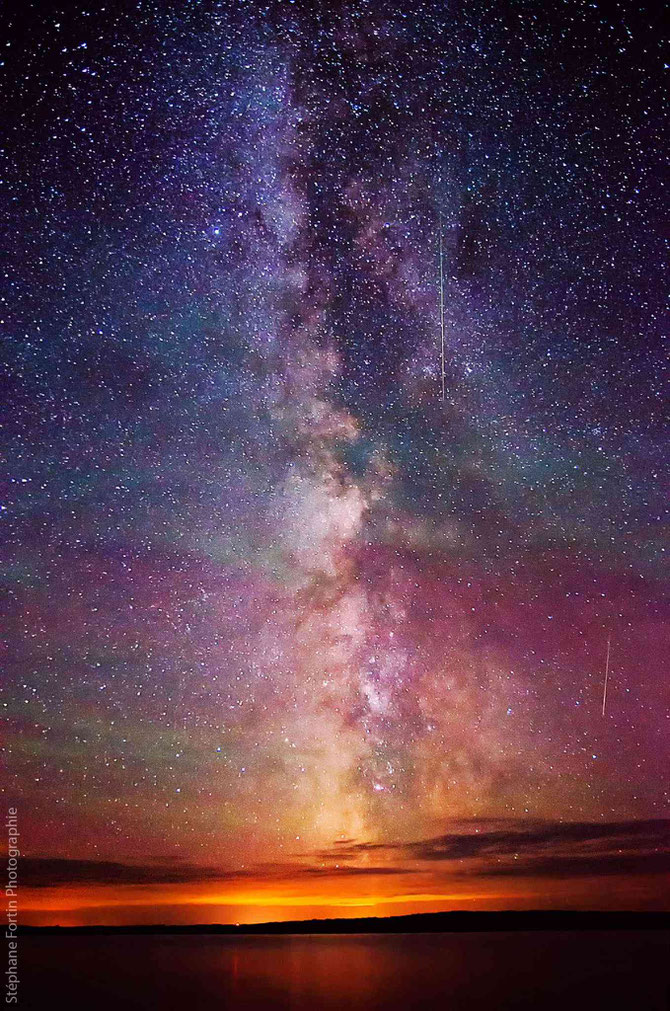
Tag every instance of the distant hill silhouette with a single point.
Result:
(415, 923)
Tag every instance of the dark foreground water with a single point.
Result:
(543, 970)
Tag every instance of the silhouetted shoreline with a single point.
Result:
(415, 923)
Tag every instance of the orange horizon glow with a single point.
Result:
(265, 901)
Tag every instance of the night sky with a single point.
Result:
(284, 629)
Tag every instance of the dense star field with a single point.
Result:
(285, 627)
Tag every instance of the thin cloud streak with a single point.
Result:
(492, 848)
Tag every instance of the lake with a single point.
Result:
(361, 972)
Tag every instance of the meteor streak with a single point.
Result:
(441, 310)
(607, 673)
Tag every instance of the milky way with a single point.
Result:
(268, 593)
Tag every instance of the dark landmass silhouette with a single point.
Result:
(414, 923)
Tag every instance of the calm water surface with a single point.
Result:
(544, 970)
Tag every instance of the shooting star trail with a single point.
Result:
(442, 309)
(607, 673)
